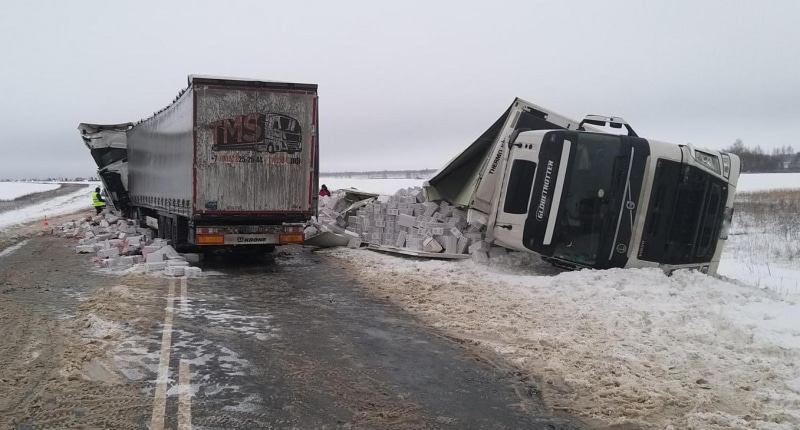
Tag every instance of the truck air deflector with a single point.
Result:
(559, 188)
(627, 203)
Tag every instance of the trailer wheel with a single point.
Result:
(162, 227)
(136, 215)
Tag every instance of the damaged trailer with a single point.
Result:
(229, 163)
(108, 145)
(583, 198)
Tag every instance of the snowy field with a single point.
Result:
(60, 205)
(379, 186)
(12, 190)
(632, 347)
(768, 181)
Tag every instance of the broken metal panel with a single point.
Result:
(471, 178)
(327, 240)
(421, 254)
(107, 143)
(456, 181)
(115, 181)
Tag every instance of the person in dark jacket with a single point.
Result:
(97, 201)
(324, 191)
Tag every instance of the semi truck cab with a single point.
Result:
(585, 199)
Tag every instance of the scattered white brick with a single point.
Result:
(193, 272)
(85, 249)
(401, 239)
(151, 267)
(451, 245)
(480, 245)
(177, 263)
(174, 271)
(109, 262)
(431, 245)
(134, 240)
(106, 253)
(461, 247)
(154, 257)
(480, 256)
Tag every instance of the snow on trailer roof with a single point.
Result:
(208, 79)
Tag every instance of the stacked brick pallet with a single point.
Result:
(406, 220)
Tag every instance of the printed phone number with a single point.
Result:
(275, 159)
(239, 159)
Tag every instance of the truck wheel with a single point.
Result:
(162, 227)
(138, 218)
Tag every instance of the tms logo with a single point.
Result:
(270, 132)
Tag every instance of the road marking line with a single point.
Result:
(160, 400)
(184, 396)
(184, 299)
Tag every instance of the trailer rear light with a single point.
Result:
(293, 229)
(291, 238)
(207, 230)
(210, 239)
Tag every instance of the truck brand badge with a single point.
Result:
(270, 132)
(545, 189)
(496, 161)
(251, 239)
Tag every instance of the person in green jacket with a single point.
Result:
(97, 201)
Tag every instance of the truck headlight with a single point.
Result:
(709, 161)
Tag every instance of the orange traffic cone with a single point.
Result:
(45, 221)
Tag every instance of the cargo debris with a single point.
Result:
(123, 247)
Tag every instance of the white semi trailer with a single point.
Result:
(229, 163)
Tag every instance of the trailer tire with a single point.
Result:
(136, 215)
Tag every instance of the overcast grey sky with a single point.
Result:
(403, 85)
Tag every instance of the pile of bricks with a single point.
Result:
(120, 245)
(407, 220)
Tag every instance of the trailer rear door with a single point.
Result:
(254, 149)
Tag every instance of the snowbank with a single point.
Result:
(61, 205)
(750, 182)
(622, 346)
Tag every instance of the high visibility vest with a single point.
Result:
(96, 200)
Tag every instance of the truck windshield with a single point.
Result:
(595, 182)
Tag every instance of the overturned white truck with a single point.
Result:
(583, 198)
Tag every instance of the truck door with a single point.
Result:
(516, 190)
